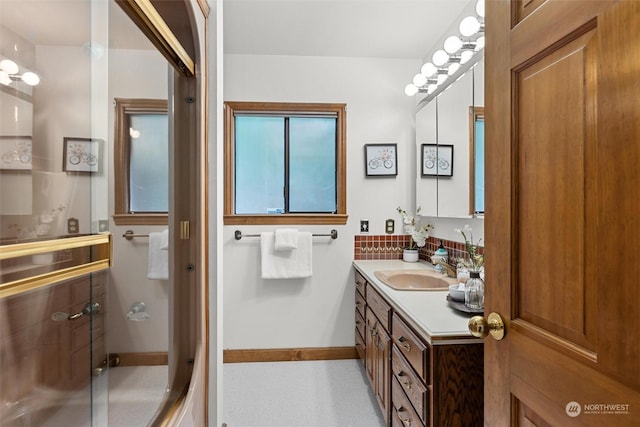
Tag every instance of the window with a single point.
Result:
(476, 175)
(285, 163)
(141, 162)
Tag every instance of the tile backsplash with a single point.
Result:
(390, 246)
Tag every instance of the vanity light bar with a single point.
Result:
(458, 49)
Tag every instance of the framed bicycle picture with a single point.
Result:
(437, 160)
(81, 155)
(381, 159)
(15, 152)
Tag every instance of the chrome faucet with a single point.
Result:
(451, 272)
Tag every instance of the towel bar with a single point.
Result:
(129, 235)
(333, 234)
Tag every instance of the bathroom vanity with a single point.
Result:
(424, 367)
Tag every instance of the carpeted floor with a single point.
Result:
(294, 394)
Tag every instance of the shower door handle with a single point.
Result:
(88, 309)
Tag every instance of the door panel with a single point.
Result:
(551, 194)
(563, 144)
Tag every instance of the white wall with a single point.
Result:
(135, 74)
(318, 312)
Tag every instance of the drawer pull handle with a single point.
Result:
(405, 421)
(406, 382)
(402, 341)
(358, 322)
(358, 303)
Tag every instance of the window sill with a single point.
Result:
(141, 219)
(279, 219)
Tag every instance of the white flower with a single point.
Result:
(419, 233)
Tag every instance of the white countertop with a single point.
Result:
(427, 311)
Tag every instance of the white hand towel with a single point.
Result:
(164, 244)
(158, 267)
(286, 239)
(286, 264)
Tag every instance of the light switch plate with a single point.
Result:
(364, 226)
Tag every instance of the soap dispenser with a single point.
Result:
(440, 255)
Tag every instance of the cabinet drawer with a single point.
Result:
(415, 351)
(360, 303)
(360, 282)
(379, 307)
(402, 413)
(413, 387)
(360, 326)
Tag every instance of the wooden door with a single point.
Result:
(563, 216)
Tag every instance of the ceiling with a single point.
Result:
(360, 28)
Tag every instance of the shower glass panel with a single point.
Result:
(53, 261)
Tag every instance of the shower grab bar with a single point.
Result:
(333, 234)
(129, 235)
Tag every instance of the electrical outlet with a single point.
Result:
(389, 226)
(364, 226)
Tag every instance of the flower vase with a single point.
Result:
(410, 255)
(474, 291)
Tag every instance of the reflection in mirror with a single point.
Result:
(444, 121)
(427, 187)
(476, 162)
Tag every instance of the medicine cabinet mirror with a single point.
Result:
(454, 118)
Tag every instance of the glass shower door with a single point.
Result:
(53, 186)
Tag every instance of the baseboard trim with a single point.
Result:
(289, 354)
(144, 359)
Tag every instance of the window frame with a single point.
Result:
(124, 107)
(230, 217)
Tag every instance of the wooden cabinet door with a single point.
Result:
(563, 212)
(370, 346)
(383, 373)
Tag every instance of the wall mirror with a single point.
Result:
(446, 122)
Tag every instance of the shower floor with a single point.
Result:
(135, 393)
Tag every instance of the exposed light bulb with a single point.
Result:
(453, 68)
(465, 56)
(30, 78)
(431, 88)
(9, 66)
(442, 78)
(419, 80)
(440, 57)
(469, 26)
(452, 44)
(480, 8)
(479, 43)
(410, 89)
(428, 69)
(134, 133)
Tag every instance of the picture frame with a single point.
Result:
(381, 160)
(81, 155)
(436, 160)
(15, 153)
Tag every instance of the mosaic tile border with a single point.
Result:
(390, 246)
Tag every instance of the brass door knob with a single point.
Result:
(479, 327)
